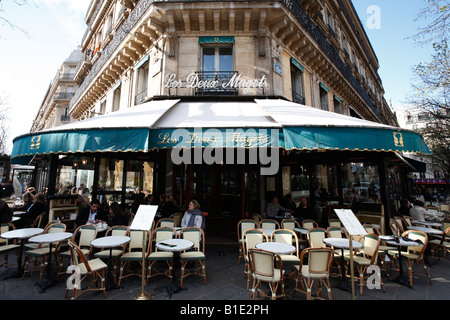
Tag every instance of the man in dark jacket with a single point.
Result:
(91, 214)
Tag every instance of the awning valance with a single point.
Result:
(257, 123)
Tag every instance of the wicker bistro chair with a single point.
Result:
(42, 251)
(315, 237)
(401, 223)
(7, 245)
(383, 249)
(290, 224)
(366, 257)
(309, 224)
(242, 226)
(132, 252)
(337, 232)
(395, 227)
(85, 234)
(269, 224)
(289, 237)
(407, 220)
(38, 222)
(414, 253)
(93, 269)
(250, 239)
(266, 266)
(196, 254)
(334, 223)
(444, 208)
(177, 218)
(154, 256)
(116, 252)
(315, 264)
(166, 222)
(440, 246)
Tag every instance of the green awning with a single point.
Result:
(203, 40)
(352, 139)
(81, 141)
(274, 123)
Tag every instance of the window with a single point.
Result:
(337, 105)
(297, 84)
(217, 58)
(217, 65)
(103, 107)
(142, 83)
(323, 98)
(116, 99)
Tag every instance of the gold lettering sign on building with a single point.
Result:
(35, 143)
(398, 139)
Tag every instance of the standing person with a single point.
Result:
(193, 217)
(91, 214)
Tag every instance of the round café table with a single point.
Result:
(432, 231)
(110, 242)
(175, 246)
(277, 247)
(400, 242)
(301, 230)
(49, 238)
(342, 243)
(22, 235)
(268, 231)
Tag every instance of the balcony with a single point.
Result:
(63, 96)
(215, 83)
(65, 118)
(298, 98)
(140, 97)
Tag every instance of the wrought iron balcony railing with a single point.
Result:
(140, 97)
(215, 83)
(63, 95)
(298, 98)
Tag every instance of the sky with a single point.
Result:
(51, 29)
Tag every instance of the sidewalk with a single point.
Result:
(226, 282)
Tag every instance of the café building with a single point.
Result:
(229, 103)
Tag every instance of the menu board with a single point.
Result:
(350, 222)
(144, 217)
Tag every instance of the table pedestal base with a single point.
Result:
(344, 285)
(174, 286)
(44, 284)
(403, 280)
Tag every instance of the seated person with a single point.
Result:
(28, 200)
(119, 216)
(405, 207)
(6, 213)
(91, 214)
(418, 212)
(304, 210)
(193, 217)
(39, 206)
(274, 209)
